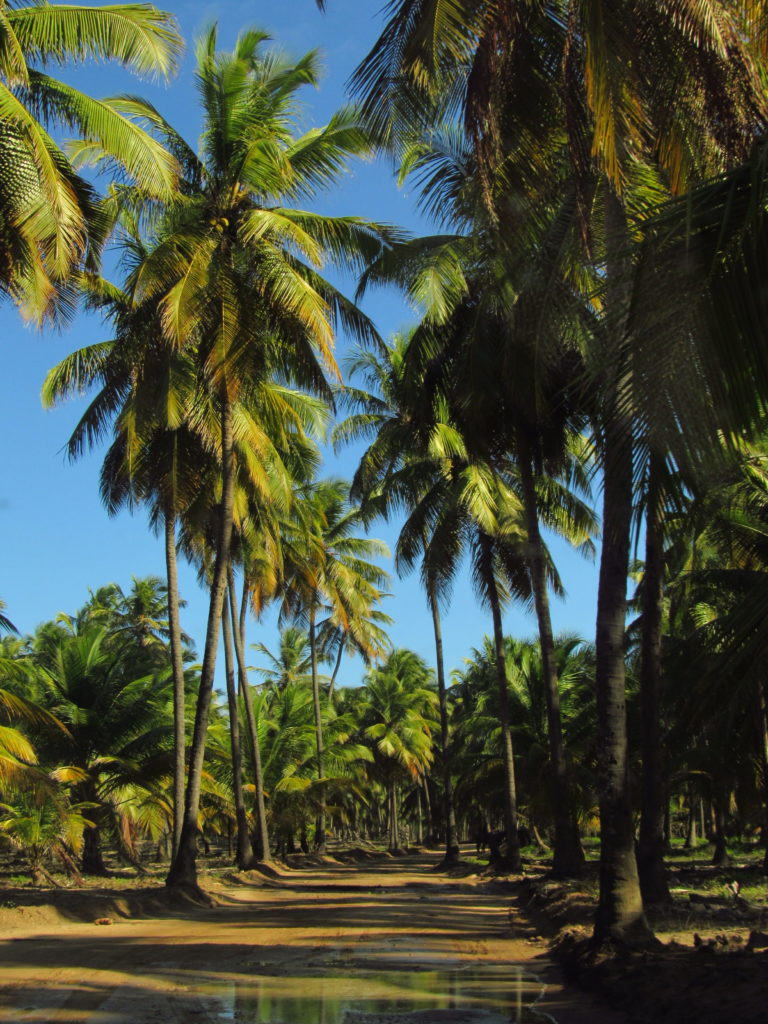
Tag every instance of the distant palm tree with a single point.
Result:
(327, 570)
(397, 713)
(293, 662)
(117, 729)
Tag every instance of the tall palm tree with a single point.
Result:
(328, 571)
(234, 271)
(651, 99)
(46, 209)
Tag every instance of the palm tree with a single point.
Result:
(46, 209)
(397, 709)
(632, 96)
(327, 570)
(293, 661)
(233, 272)
(116, 724)
(232, 275)
(157, 457)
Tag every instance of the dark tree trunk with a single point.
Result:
(512, 859)
(320, 840)
(419, 823)
(430, 816)
(244, 856)
(261, 835)
(650, 849)
(177, 668)
(691, 838)
(183, 869)
(719, 801)
(763, 725)
(620, 914)
(568, 856)
(394, 841)
(92, 856)
(451, 839)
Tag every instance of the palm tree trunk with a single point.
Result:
(650, 850)
(451, 841)
(261, 837)
(620, 915)
(394, 843)
(177, 668)
(691, 838)
(512, 860)
(568, 855)
(320, 841)
(183, 870)
(244, 858)
(339, 656)
(763, 725)
(719, 802)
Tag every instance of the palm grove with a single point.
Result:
(591, 319)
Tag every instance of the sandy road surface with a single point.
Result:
(271, 952)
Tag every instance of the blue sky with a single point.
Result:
(57, 540)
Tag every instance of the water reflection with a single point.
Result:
(391, 997)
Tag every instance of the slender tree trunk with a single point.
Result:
(762, 718)
(177, 668)
(320, 841)
(719, 801)
(567, 856)
(620, 915)
(512, 860)
(183, 869)
(261, 835)
(691, 838)
(419, 823)
(449, 810)
(428, 805)
(244, 859)
(650, 850)
(339, 656)
(394, 842)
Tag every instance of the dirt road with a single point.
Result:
(305, 947)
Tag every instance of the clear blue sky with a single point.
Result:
(56, 539)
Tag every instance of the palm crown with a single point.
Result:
(46, 209)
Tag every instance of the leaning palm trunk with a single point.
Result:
(177, 668)
(512, 859)
(337, 666)
(183, 869)
(451, 841)
(651, 844)
(261, 835)
(244, 856)
(567, 856)
(320, 828)
(620, 915)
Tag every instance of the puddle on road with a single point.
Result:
(391, 997)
